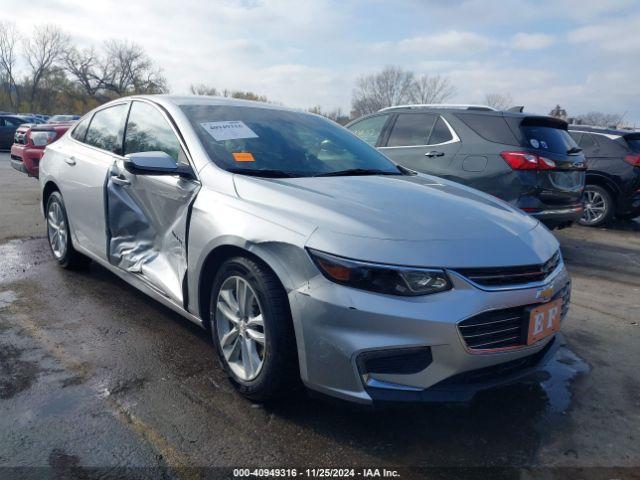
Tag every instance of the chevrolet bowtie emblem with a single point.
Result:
(545, 293)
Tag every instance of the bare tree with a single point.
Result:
(337, 115)
(203, 89)
(87, 69)
(499, 101)
(130, 70)
(391, 86)
(432, 89)
(43, 51)
(600, 119)
(8, 57)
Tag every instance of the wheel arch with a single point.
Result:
(604, 182)
(215, 258)
(47, 190)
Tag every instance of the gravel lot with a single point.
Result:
(95, 374)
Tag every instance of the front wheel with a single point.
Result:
(59, 235)
(252, 329)
(598, 206)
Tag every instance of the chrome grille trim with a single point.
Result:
(508, 278)
(507, 328)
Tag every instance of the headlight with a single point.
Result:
(392, 280)
(42, 138)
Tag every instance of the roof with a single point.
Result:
(209, 100)
(601, 130)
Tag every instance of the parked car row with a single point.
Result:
(9, 123)
(530, 161)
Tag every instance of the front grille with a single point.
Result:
(504, 328)
(511, 276)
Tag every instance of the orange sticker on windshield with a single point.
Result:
(243, 157)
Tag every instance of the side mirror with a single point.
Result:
(154, 163)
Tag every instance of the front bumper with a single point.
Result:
(336, 325)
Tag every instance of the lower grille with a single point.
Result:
(504, 328)
(511, 276)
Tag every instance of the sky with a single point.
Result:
(581, 54)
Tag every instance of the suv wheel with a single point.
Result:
(59, 235)
(252, 329)
(598, 206)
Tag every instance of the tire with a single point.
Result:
(59, 235)
(265, 370)
(599, 207)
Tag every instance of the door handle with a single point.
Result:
(120, 181)
(434, 153)
(70, 160)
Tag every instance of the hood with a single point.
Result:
(409, 208)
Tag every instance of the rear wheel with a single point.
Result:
(598, 206)
(59, 235)
(252, 329)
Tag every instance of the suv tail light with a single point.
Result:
(633, 160)
(40, 138)
(527, 161)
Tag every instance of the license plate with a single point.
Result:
(544, 320)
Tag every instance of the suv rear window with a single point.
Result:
(548, 139)
(490, 127)
(633, 141)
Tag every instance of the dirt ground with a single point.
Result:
(97, 380)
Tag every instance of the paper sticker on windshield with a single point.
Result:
(534, 143)
(243, 157)
(229, 130)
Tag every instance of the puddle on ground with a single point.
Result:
(563, 368)
(7, 297)
(18, 256)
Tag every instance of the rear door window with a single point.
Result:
(369, 129)
(80, 129)
(548, 139)
(411, 129)
(106, 127)
(440, 133)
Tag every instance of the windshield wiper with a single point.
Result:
(264, 172)
(573, 150)
(358, 171)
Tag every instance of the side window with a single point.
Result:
(440, 133)
(587, 141)
(148, 131)
(369, 129)
(80, 130)
(16, 122)
(411, 129)
(105, 129)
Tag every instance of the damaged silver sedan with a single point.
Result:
(304, 251)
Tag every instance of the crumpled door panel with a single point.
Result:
(147, 219)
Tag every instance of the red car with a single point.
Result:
(29, 144)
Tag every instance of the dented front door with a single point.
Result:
(147, 222)
(148, 215)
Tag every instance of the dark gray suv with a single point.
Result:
(527, 160)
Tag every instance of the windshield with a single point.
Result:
(259, 140)
(550, 139)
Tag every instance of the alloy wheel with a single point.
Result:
(57, 230)
(240, 328)
(595, 207)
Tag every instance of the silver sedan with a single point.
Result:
(306, 253)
